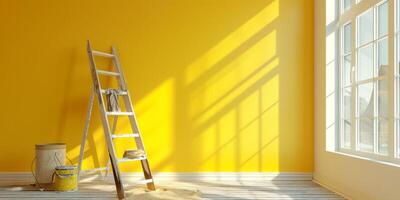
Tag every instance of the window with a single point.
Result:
(368, 76)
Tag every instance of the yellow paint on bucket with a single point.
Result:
(65, 178)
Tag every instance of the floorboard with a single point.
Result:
(210, 190)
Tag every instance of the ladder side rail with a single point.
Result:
(127, 100)
(106, 126)
(86, 130)
(114, 127)
(133, 121)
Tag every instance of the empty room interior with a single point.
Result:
(200, 99)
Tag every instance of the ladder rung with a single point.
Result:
(125, 135)
(120, 92)
(119, 113)
(131, 159)
(99, 53)
(107, 72)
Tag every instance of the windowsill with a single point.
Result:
(387, 163)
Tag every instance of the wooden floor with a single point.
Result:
(219, 190)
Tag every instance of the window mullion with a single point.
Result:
(391, 79)
(338, 80)
(353, 111)
(375, 83)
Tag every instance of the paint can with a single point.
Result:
(65, 178)
(48, 156)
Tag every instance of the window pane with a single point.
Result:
(346, 70)
(347, 133)
(397, 68)
(397, 101)
(383, 136)
(365, 101)
(347, 39)
(398, 15)
(398, 55)
(365, 62)
(365, 27)
(398, 138)
(383, 19)
(346, 116)
(366, 137)
(346, 4)
(383, 98)
(383, 57)
(383, 116)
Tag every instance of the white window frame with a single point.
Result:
(350, 16)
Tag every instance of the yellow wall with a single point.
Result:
(218, 85)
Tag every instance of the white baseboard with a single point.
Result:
(181, 176)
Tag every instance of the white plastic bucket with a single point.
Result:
(48, 156)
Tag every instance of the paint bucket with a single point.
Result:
(48, 156)
(65, 178)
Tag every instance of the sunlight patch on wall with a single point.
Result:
(269, 148)
(259, 129)
(221, 88)
(156, 114)
(96, 153)
(227, 100)
(232, 41)
(208, 142)
(247, 135)
(225, 153)
(156, 122)
(250, 132)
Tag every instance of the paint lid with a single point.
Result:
(51, 146)
(66, 167)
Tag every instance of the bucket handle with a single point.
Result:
(62, 176)
(58, 161)
(59, 164)
(34, 175)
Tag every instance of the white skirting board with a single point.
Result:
(181, 176)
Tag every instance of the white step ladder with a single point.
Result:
(110, 134)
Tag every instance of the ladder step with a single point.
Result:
(120, 92)
(120, 113)
(109, 73)
(125, 135)
(103, 54)
(121, 160)
(134, 153)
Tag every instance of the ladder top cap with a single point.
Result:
(88, 45)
